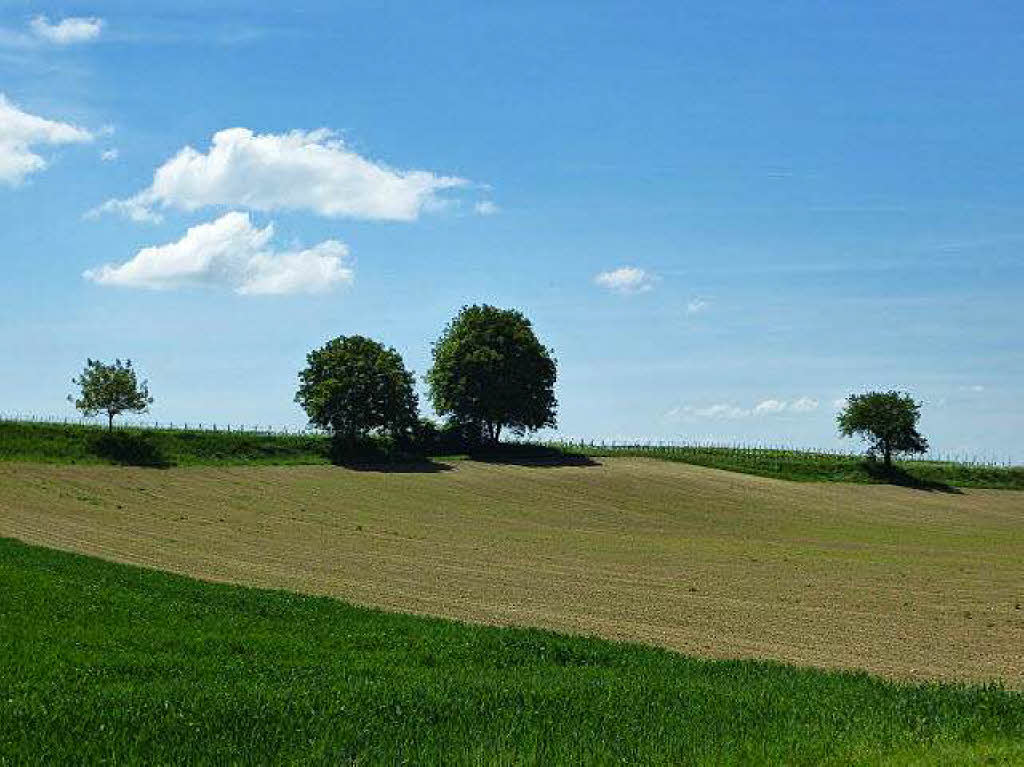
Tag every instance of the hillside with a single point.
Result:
(908, 583)
(102, 662)
(165, 447)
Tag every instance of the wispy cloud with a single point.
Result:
(696, 306)
(486, 208)
(21, 133)
(231, 252)
(67, 31)
(730, 411)
(626, 280)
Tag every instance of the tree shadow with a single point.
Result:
(129, 449)
(410, 466)
(531, 455)
(894, 475)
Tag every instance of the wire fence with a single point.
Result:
(139, 423)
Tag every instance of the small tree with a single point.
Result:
(354, 385)
(490, 372)
(110, 389)
(887, 420)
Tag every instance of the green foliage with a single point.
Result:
(490, 372)
(102, 662)
(110, 389)
(886, 420)
(354, 386)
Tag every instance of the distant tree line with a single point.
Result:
(490, 376)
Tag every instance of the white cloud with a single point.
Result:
(231, 252)
(486, 208)
(726, 410)
(626, 279)
(67, 31)
(20, 132)
(696, 306)
(803, 405)
(974, 388)
(312, 171)
(109, 155)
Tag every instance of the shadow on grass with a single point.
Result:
(531, 455)
(129, 449)
(409, 466)
(894, 475)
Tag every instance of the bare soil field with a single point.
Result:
(902, 582)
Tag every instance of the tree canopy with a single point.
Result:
(110, 389)
(354, 385)
(491, 372)
(887, 420)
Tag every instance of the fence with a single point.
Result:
(763, 449)
(137, 423)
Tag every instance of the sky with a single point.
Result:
(722, 217)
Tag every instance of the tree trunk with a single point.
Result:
(110, 421)
(497, 433)
(887, 455)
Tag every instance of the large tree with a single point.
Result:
(110, 389)
(354, 385)
(491, 373)
(886, 420)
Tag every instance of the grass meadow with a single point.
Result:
(101, 662)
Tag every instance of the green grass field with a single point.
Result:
(105, 662)
(72, 443)
(809, 466)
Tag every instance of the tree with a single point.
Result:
(111, 389)
(490, 372)
(887, 420)
(354, 385)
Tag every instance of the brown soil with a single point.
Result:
(902, 582)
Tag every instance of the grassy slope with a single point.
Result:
(107, 662)
(807, 466)
(57, 443)
(72, 443)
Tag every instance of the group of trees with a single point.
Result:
(490, 375)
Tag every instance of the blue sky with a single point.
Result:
(723, 217)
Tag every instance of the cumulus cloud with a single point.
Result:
(21, 132)
(302, 170)
(727, 410)
(67, 31)
(486, 208)
(231, 252)
(626, 280)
